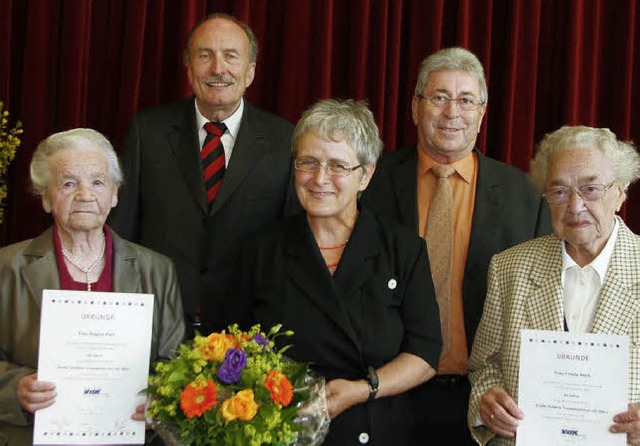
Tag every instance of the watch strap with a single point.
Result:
(372, 378)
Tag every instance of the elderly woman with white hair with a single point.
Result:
(584, 278)
(76, 174)
(357, 294)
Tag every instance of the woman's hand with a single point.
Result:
(35, 395)
(499, 412)
(629, 422)
(141, 415)
(343, 394)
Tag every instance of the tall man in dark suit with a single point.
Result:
(493, 206)
(164, 203)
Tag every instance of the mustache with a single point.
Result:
(219, 80)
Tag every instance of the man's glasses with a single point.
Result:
(442, 101)
(588, 192)
(333, 168)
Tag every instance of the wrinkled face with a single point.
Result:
(448, 134)
(323, 195)
(584, 225)
(218, 68)
(80, 193)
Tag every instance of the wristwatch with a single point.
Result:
(372, 377)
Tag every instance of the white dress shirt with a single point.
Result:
(229, 136)
(582, 286)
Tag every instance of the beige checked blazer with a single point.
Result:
(525, 292)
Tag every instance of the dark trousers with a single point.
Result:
(440, 412)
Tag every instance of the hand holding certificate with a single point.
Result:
(95, 347)
(570, 387)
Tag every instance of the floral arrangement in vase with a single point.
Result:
(237, 388)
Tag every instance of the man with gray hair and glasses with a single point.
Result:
(467, 207)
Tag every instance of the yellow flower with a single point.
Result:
(216, 347)
(9, 142)
(242, 406)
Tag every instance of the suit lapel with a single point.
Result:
(618, 305)
(185, 146)
(250, 146)
(405, 184)
(308, 272)
(126, 277)
(545, 305)
(41, 270)
(487, 204)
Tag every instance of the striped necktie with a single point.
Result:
(212, 156)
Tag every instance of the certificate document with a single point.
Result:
(95, 348)
(570, 387)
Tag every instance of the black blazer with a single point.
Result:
(163, 202)
(380, 302)
(507, 211)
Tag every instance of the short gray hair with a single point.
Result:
(452, 59)
(342, 120)
(75, 139)
(253, 40)
(623, 155)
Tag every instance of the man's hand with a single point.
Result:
(499, 412)
(35, 395)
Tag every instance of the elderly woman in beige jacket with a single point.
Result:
(76, 174)
(584, 174)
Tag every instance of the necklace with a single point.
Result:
(86, 269)
(334, 247)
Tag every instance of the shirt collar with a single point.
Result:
(232, 122)
(464, 166)
(601, 263)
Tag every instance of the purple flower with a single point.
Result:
(260, 339)
(235, 360)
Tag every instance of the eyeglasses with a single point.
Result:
(588, 192)
(441, 101)
(333, 168)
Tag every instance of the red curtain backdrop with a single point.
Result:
(72, 63)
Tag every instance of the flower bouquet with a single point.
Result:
(237, 388)
(9, 143)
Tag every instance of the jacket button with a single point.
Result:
(392, 284)
(363, 438)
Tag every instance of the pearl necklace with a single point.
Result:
(86, 269)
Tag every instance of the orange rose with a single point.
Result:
(216, 347)
(280, 388)
(198, 397)
(241, 406)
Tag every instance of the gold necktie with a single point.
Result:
(439, 236)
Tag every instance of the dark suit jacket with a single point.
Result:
(380, 302)
(507, 211)
(29, 267)
(163, 202)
